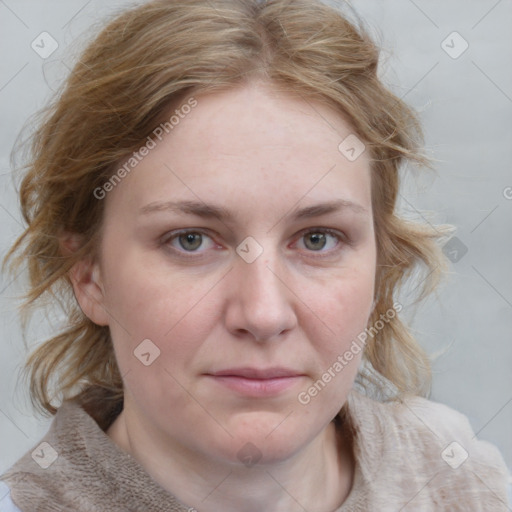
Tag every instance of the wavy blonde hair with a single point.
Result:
(151, 57)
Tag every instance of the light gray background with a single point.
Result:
(466, 107)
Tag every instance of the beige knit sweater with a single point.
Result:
(414, 455)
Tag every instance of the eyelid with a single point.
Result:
(330, 231)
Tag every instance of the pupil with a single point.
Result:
(190, 241)
(315, 238)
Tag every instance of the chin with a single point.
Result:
(262, 445)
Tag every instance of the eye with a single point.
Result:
(188, 241)
(321, 240)
(196, 242)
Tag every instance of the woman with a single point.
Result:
(213, 198)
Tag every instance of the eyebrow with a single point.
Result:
(211, 211)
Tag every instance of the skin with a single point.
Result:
(261, 154)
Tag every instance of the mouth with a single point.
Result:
(254, 382)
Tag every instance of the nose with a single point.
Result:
(261, 304)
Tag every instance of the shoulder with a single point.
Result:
(6, 504)
(428, 424)
(433, 424)
(426, 452)
(38, 476)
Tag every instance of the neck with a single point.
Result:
(318, 477)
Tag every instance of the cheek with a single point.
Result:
(145, 297)
(174, 313)
(337, 335)
(162, 371)
(345, 302)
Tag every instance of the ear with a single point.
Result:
(87, 284)
(85, 277)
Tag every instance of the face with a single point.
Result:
(242, 247)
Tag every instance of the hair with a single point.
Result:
(150, 58)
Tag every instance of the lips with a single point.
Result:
(257, 382)
(254, 373)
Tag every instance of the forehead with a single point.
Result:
(254, 141)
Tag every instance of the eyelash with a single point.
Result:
(167, 239)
